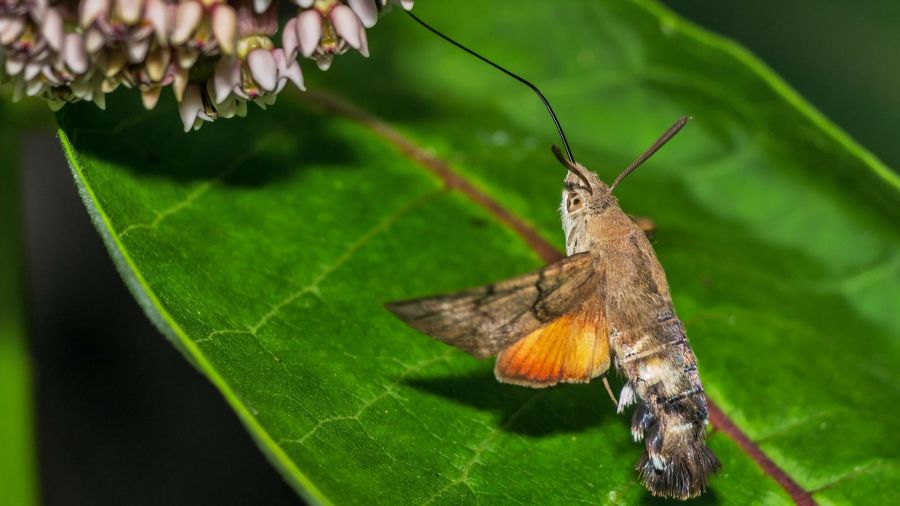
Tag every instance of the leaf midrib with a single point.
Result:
(547, 252)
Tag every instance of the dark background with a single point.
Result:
(123, 418)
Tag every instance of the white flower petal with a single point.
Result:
(94, 40)
(158, 14)
(260, 6)
(90, 10)
(263, 69)
(187, 57)
(226, 76)
(32, 70)
(114, 62)
(38, 8)
(52, 29)
(74, 54)
(240, 93)
(309, 31)
(14, 65)
(137, 50)
(11, 30)
(100, 100)
(346, 24)
(51, 77)
(110, 85)
(364, 42)
(190, 106)
(150, 97)
(366, 10)
(157, 63)
(224, 26)
(205, 116)
(406, 4)
(130, 10)
(289, 40)
(288, 69)
(179, 82)
(187, 18)
(34, 88)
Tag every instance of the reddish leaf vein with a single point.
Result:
(547, 252)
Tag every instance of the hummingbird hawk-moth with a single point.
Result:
(607, 302)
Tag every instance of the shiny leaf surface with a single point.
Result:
(264, 248)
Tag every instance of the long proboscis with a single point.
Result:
(674, 129)
(568, 160)
(559, 129)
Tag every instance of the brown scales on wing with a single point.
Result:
(561, 324)
(546, 325)
(485, 320)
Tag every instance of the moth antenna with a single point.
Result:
(573, 167)
(653, 149)
(559, 129)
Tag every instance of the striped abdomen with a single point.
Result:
(672, 411)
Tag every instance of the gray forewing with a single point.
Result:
(483, 321)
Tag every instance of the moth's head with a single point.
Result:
(582, 189)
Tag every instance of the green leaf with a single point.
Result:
(265, 248)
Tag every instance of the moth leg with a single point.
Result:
(647, 225)
(609, 391)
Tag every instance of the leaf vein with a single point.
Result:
(313, 286)
(483, 446)
(186, 202)
(388, 390)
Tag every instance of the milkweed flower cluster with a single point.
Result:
(216, 55)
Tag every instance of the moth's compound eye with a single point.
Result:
(574, 203)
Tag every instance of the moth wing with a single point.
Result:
(573, 348)
(485, 320)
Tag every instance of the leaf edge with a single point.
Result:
(165, 323)
(779, 85)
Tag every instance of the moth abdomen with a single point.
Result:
(676, 462)
(683, 475)
(672, 413)
(640, 421)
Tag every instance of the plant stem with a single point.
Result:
(18, 470)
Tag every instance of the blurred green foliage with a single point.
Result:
(18, 484)
(841, 56)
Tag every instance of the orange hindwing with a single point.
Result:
(573, 348)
